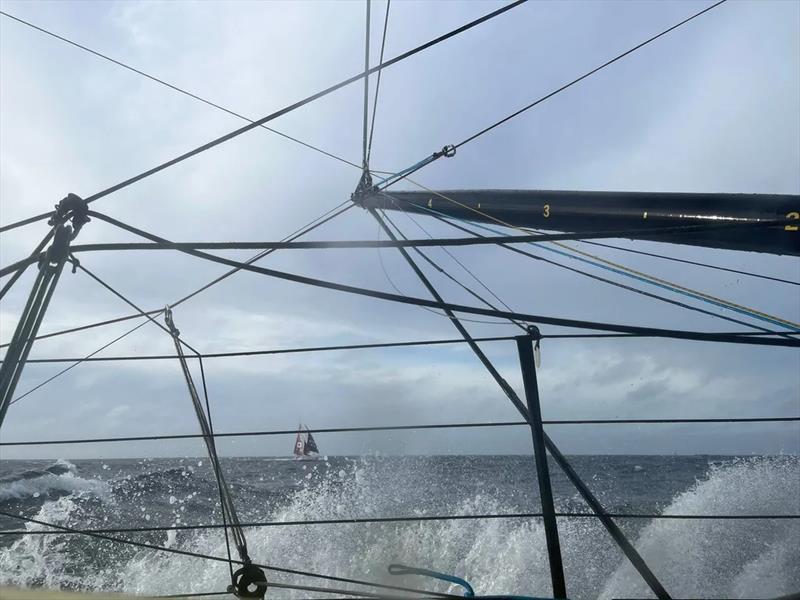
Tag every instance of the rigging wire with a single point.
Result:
(327, 216)
(527, 237)
(233, 434)
(430, 261)
(227, 505)
(542, 319)
(622, 269)
(287, 109)
(322, 219)
(692, 262)
(614, 283)
(364, 163)
(9, 284)
(415, 519)
(485, 130)
(64, 528)
(219, 480)
(414, 168)
(241, 353)
(402, 293)
(378, 83)
(171, 86)
(450, 254)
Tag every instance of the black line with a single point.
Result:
(331, 214)
(630, 288)
(415, 519)
(585, 75)
(408, 243)
(321, 220)
(184, 436)
(27, 221)
(365, 134)
(278, 351)
(378, 83)
(300, 103)
(171, 86)
(541, 319)
(695, 263)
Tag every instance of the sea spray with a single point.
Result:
(693, 558)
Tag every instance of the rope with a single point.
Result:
(354, 347)
(396, 569)
(9, 284)
(451, 150)
(337, 210)
(612, 282)
(623, 270)
(585, 75)
(430, 261)
(695, 263)
(287, 109)
(220, 489)
(23, 222)
(226, 501)
(65, 529)
(415, 519)
(527, 238)
(425, 308)
(378, 84)
(184, 436)
(452, 256)
(366, 92)
(610, 327)
(330, 214)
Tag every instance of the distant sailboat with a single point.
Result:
(304, 445)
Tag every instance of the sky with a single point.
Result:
(712, 107)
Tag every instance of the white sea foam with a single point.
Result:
(58, 479)
(724, 558)
(738, 559)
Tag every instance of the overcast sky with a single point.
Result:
(714, 106)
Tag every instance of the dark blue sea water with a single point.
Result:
(735, 559)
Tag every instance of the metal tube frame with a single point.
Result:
(528, 367)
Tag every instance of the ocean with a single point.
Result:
(692, 558)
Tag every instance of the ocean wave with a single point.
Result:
(498, 556)
(56, 480)
(724, 558)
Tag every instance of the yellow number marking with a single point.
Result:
(792, 215)
(546, 211)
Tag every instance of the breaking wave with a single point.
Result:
(54, 481)
(736, 559)
(698, 558)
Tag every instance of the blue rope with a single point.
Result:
(399, 175)
(745, 312)
(396, 569)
